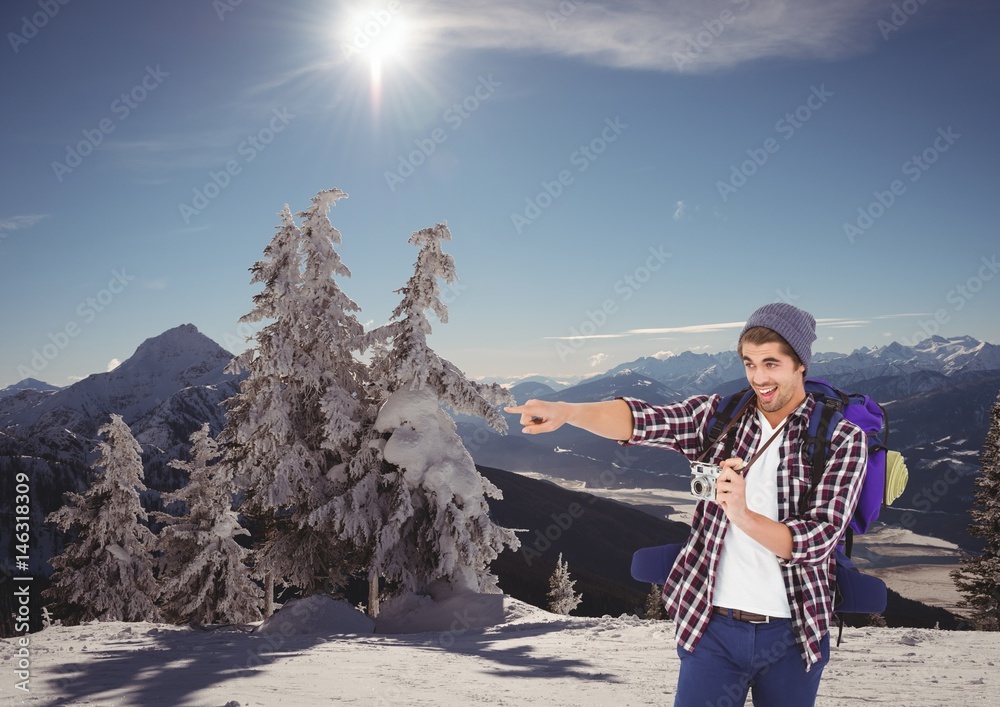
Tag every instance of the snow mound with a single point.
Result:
(420, 613)
(316, 615)
(517, 611)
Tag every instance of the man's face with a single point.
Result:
(775, 377)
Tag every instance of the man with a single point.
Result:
(751, 592)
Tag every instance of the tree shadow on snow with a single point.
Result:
(153, 665)
(478, 626)
(168, 670)
(517, 661)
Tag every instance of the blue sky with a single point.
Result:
(620, 179)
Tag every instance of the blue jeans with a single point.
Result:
(734, 657)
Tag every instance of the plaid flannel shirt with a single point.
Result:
(810, 574)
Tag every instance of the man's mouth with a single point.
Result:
(766, 394)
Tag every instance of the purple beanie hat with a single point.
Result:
(795, 326)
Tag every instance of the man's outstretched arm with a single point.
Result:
(611, 418)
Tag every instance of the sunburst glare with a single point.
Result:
(383, 37)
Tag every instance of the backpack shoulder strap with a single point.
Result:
(729, 410)
(829, 410)
(824, 419)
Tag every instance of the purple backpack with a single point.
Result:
(832, 405)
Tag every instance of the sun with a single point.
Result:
(389, 47)
(392, 42)
(379, 38)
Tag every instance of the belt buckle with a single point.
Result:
(739, 615)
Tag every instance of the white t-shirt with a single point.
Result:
(749, 576)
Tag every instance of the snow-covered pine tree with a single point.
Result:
(435, 523)
(298, 415)
(978, 577)
(562, 599)
(106, 570)
(203, 575)
(359, 513)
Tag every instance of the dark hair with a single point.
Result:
(762, 335)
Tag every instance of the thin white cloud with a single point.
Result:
(843, 323)
(679, 208)
(113, 364)
(829, 322)
(692, 329)
(908, 314)
(688, 36)
(195, 149)
(205, 137)
(16, 223)
(581, 337)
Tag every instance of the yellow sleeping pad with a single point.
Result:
(896, 476)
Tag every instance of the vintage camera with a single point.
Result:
(703, 476)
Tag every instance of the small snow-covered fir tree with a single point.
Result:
(654, 603)
(435, 524)
(978, 578)
(562, 598)
(106, 570)
(299, 413)
(203, 575)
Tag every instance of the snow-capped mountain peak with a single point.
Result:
(179, 373)
(182, 353)
(28, 384)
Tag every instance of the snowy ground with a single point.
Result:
(529, 657)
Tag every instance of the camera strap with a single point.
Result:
(746, 467)
(732, 421)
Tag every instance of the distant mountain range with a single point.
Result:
(175, 381)
(938, 395)
(894, 370)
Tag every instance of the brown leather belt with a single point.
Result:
(741, 615)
